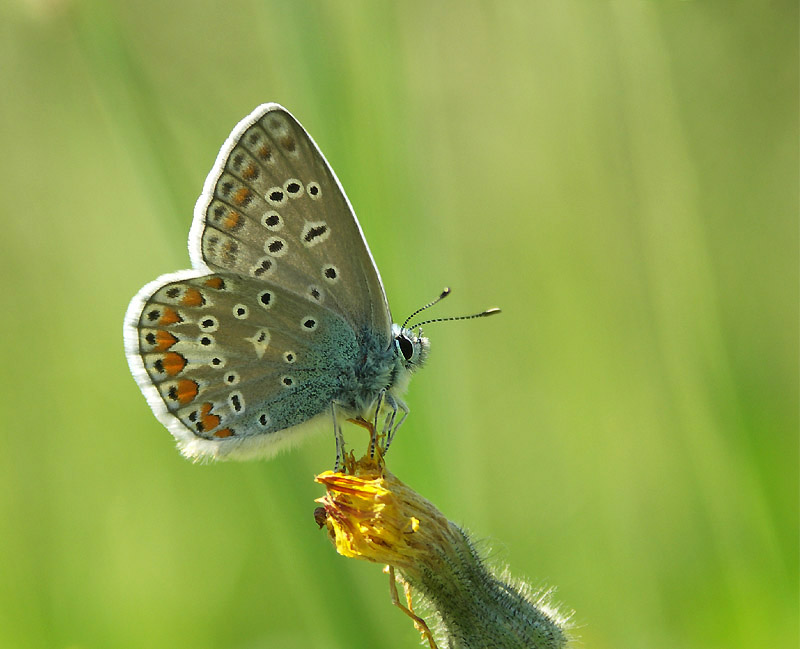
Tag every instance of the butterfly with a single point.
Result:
(283, 323)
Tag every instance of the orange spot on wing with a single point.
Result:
(249, 172)
(193, 297)
(164, 340)
(264, 152)
(169, 316)
(241, 196)
(186, 390)
(215, 283)
(229, 251)
(232, 220)
(208, 420)
(225, 432)
(173, 363)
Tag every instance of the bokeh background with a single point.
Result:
(620, 177)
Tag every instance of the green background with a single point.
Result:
(620, 177)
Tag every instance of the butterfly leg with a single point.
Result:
(388, 422)
(392, 424)
(397, 404)
(374, 432)
(337, 433)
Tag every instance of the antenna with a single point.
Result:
(482, 314)
(443, 295)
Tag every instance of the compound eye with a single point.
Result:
(406, 347)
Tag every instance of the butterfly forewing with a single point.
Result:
(273, 210)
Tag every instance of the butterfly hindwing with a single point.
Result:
(272, 209)
(224, 361)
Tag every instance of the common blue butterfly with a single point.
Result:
(283, 322)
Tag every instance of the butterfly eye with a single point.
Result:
(406, 347)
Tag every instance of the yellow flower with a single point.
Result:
(372, 515)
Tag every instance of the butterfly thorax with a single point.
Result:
(380, 365)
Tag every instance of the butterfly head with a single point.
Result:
(410, 347)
